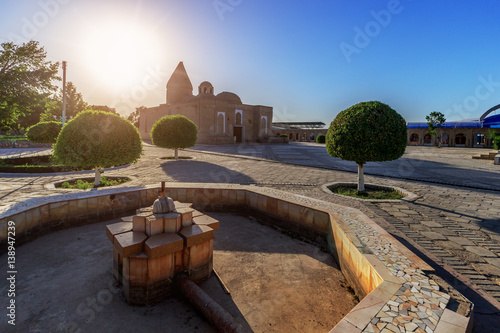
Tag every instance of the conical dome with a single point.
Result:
(179, 86)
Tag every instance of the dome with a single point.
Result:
(206, 88)
(229, 96)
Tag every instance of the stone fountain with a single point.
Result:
(157, 243)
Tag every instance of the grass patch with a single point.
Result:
(34, 164)
(84, 184)
(13, 138)
(378, 194)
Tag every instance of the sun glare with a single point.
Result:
(118, 53)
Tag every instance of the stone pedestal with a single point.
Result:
(497, 158)
(151, 249)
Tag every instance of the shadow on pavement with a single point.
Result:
(190, 171)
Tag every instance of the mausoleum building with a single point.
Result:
(220, 119)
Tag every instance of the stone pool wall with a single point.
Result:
(396, 293)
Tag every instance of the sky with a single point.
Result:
(309, 60)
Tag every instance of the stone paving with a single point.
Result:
(455, 227)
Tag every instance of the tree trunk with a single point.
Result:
(97, 176)
(176, 154)
(361, 178)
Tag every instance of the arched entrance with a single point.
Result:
(427, 139)
(414, 139)
(460, 139)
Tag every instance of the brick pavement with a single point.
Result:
(455, 227)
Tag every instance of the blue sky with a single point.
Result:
(308, 60)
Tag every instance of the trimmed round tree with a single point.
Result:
(367, 132)
(320, 138)
(174, 132)
(44, 132)
(97, 139)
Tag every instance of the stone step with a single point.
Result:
(488, 156)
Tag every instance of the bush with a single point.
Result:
(496, 141)
(320, 138)
(283, 136)
(44, 132)
(97, 139)
(174, 132)
(368, 131)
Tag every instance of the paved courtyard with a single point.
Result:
(454, 224)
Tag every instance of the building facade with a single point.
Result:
(473, 133)
(221, 118)
(299, 131)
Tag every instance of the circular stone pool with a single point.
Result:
(276, 283)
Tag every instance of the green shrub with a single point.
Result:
(44, 132)
(283, 136)
(496, 141)
(320, 138)
(365, 132)
(97, 139)
(174, 132)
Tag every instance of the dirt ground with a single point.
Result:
(276, 284)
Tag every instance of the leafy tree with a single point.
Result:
(495, 139)
(134, 116)
(174, 132)
(97, 139)
(74, 104)
(366, 132)
(26, 78)
(435, 121)
(44, 132)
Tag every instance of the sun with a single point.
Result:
(117, 53)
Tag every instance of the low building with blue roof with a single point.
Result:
(464, 133)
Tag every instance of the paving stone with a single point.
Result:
(432, 224)
(433, 235)
(487, 269)
(480, 251)
(460, 240)
(493, 261)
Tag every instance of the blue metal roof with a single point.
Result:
(451, 124)
(489, 122)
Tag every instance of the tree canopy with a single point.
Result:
(174, 132)
(133, 117)
(44, 132)
(26, 80)
(365, 132)
(435, 121)
(95, 139)
(74, 104)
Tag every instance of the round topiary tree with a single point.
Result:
(97, 139)
(320, 138)
(44, 132)
(174, 132)
(366, 132)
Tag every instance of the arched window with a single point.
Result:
(311, 137)
(480, 139)
(263, 125)
(237, 120)
(290, 137)
(297, 137)
(221, 126)
(414, 139)
(460, 139)
(427, 139)
(205, 90)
